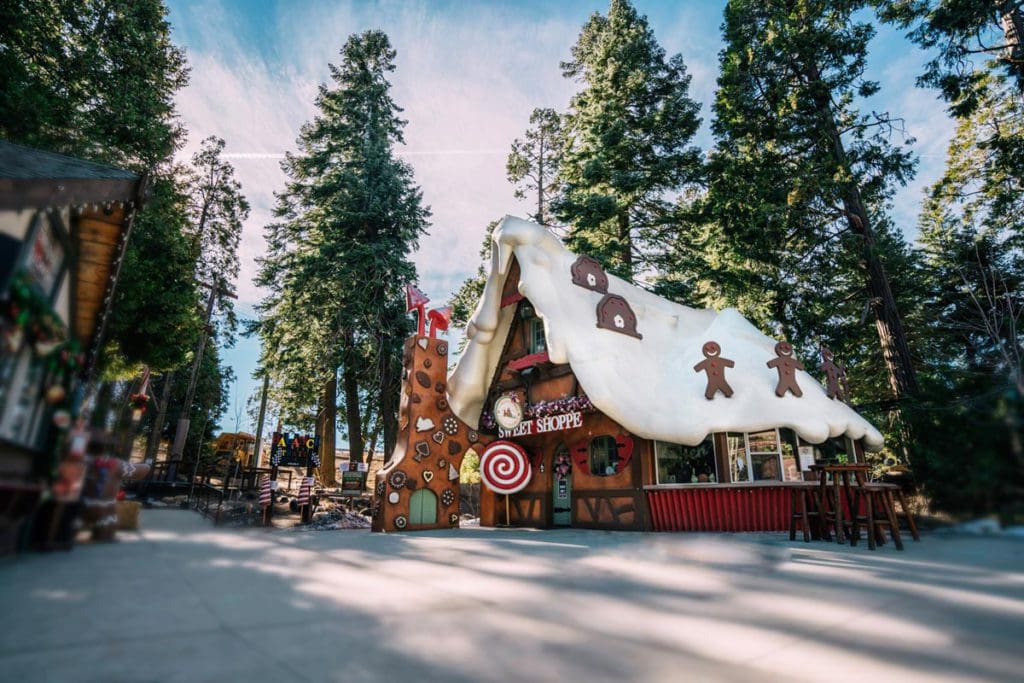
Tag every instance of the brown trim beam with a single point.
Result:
(41, 193)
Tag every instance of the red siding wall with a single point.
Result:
(720, 508)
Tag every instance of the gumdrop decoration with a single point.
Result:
(714, 366)
(587, 273)
(786, 365)
(614, 313)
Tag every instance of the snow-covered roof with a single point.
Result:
(647, 385)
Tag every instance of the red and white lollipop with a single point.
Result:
(504, 467)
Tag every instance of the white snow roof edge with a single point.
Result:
(646, 385)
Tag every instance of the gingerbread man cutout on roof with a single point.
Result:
(787, 366)
(835, 376)
(714, 366)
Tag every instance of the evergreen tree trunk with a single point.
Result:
(388, 401)
(326, 428)
(899, 364)
(153, 444)
(1012, 20)
(351, 387)
(627, 244)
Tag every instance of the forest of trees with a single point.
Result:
(788, 217)
(97, 79)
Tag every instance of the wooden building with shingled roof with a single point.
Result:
(64, 227)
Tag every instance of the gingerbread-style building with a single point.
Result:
(634, 412)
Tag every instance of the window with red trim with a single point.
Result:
(604, 456)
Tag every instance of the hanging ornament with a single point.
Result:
(55, 394)
(62, 419)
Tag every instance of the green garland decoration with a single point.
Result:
(25, 311)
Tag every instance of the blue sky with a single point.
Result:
(468, 75)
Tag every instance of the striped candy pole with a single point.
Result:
(304, 488)
(265, 495)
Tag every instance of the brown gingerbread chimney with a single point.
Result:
(419, 487)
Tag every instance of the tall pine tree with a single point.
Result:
(97, 79)
(532, 165)
(628, 134)
(971, 232)
(217, 209)
(801, 178)
(338, 255)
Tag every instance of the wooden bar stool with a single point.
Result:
(897, 493)
(839, 495)
(804, 505)
(880, 513)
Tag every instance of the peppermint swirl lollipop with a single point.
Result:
(504, 467)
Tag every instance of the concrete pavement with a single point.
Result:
(183, 601)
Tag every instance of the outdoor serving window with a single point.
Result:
(839, 450)
(763, 456)
(604, 456)
(678, 464)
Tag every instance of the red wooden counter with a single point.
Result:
(752, 506)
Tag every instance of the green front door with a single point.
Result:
(423, 507)
(561, 487)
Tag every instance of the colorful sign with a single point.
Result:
(352, 476)
(542, 425)
(293, 450)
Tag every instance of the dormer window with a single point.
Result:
(533, 329)
(535, 336)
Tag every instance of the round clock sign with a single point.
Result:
(507, 412)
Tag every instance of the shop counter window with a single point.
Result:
(762, 456)
(789, 444)
(678, 464)
(763, 448)
(837, 450)
(604, 456)
(739, 467)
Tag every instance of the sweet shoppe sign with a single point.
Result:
(542, 425)
(294, 450)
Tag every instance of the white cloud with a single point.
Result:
(467, 82)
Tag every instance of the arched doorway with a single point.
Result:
(561, 487)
